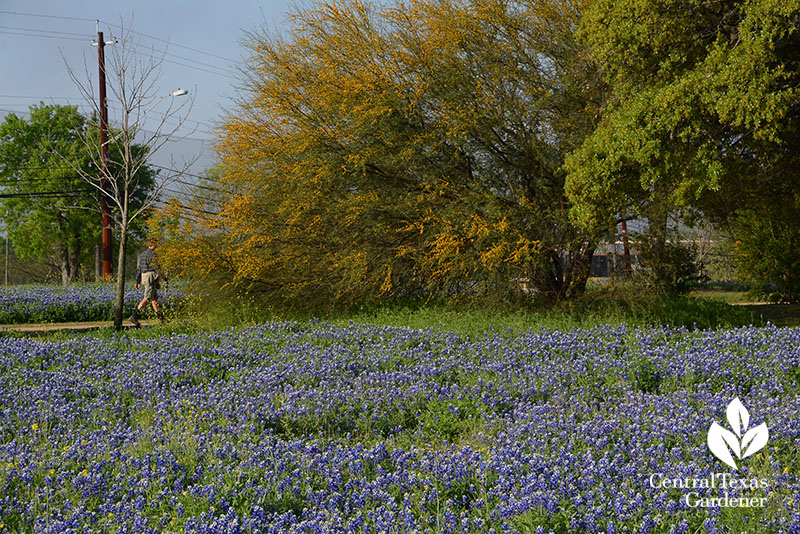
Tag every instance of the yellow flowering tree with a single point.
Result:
(413, 149)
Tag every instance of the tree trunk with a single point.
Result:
(565, 278)
(120, 300)
(74, 261)
(547, 276)
(579, 268)
(658, 221)
(66, 274)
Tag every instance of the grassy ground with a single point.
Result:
(728, 297)
(700, 309)
(777, 314)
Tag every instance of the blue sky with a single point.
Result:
(202, 39)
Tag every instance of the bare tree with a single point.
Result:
(132, 74)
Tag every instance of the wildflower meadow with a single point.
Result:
(34, 303)
(315, 427)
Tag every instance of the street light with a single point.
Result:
(105, 236)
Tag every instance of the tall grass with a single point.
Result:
(587, 312)
(609, 305)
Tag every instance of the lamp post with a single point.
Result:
(105, 177)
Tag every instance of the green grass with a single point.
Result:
(592, 310)
(777, 314)
(728, 297)
(621, 304)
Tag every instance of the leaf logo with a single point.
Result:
(742, 442)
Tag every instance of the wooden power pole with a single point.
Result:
(104, 209)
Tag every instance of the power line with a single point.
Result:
(44, 16)
(63, 38)
(177, 137)
(171, 43)
(206, 187)
(196, 50)
(178, 172)
(188, 208)
(16, 28)
(153, 165)
(47, 193)
(113, 104)
(26, 32)
(220, 73)
(84, 104)
(225, 70)
(201, 186)
(191, 195)
(43, 97)
(7, 183)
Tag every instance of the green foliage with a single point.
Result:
(47, 162)
(669, 266)
(768, 250)
(622, 303)
(703, 114)
(634, 302)
(701, 92)
(37, 158)
(647, 377)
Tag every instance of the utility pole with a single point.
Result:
(6, 273)
(104, 209)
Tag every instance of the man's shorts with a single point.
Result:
(150, 281)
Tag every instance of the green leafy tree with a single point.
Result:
(767, 249)
(703, 112)
(50, 210)
(47, 208)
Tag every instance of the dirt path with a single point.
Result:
(52, 327)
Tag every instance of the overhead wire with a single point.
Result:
(7, 12)
(188, 208)
(112, 106)
(50, 34)
(39, 36)
(43, 97)
(229, 60)
(193, 64)
(160, 167)
(48, 194)
(218, 73)
(191, 196)
(192, 184)
(199, 65)
(80, 19)
(16, 28)
(81, 102)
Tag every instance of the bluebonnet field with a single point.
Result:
(313, 427)
(41, 303)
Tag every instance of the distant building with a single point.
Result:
(609, 260)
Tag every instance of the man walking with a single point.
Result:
(148, 275)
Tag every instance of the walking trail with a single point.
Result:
(53, 327)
